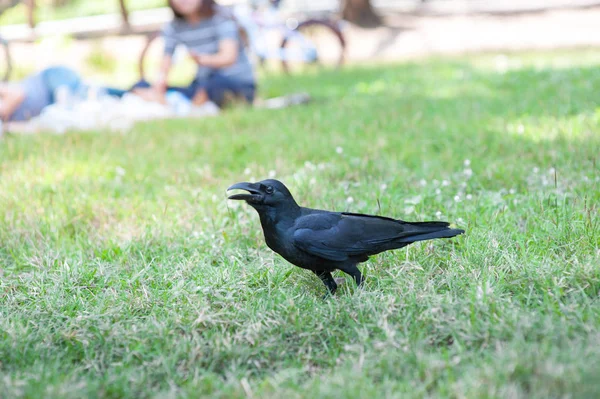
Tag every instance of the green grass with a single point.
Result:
(126, 273)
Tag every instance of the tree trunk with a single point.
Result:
(30, 13)
(59, 3)
(360, 12)
(126, 27)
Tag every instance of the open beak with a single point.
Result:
(254, 192)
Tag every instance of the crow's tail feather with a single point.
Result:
(429, 225)
(430, 236)
(431, 230)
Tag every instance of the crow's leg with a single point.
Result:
(328, 280)
(353, 271)
(340, 280)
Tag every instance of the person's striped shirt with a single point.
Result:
(203, 38)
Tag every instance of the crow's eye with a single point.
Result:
(269, 189)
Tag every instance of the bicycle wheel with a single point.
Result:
(313, 45)
(6, 65)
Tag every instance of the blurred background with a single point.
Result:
(104, 39)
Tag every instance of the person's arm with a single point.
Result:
(12, 98)
(163, 74)
(171, 41)
(229, 42)
(226, 56)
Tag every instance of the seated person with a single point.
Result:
(26, 99)
(215, 43)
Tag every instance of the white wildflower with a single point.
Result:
(544, 182)
(272, 174)
(520, 129)
(413, 200)
(349, 200)
(512, 191)
(247, 171)
(120, 171)
(467, 162)
(383, 187)
(445, 183)
(309, 165)
(438, 214)
(438, 191)
(457, 198)
(536, 169)
(469, 197)
(422, 182)
(339, 150)
(312, 181)
(468, 172)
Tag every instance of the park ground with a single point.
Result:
(125, 272)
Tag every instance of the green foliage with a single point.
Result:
(100, 60)
(126, 273)
(46, 11)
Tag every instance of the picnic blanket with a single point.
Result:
(108, 113)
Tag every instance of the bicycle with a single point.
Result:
(297, 51)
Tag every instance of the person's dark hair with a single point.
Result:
(206, 10)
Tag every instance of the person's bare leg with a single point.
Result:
(150, 94)
(202, 106)
(200, 97)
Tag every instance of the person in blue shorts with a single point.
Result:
(21, 101)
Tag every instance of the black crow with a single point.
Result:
(323, 241)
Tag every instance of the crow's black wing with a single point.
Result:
(338, 236)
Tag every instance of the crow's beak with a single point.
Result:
(255, 195)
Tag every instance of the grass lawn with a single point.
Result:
(126, 273)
